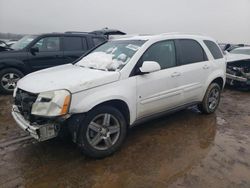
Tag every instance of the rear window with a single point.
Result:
(74, 44)
(214, 49)
(190, 51)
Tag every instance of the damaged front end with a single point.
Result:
(238, 73)
(41, 128)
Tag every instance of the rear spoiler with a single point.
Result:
(107, 32)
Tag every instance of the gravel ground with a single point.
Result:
(185, 149)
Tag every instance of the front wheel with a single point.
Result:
(211, 99)
(102, 132)
(8, 79)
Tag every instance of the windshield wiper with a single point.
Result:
(91, 67)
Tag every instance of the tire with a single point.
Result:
(211, 99)
(8, 80)
(96, 138)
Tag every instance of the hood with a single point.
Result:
(3, 46)
(5, 49)
(71, 77)
(9, 52)
(236, 57)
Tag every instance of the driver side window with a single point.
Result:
(48, 44)
(161, 52)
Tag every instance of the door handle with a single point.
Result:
(175, 74)
(205, 67)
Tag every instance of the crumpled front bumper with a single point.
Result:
(39, 132)
(234, 80)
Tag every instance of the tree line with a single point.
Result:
(10, 36)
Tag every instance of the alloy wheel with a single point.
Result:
(9, 81)
(103, 131)
(213, 99)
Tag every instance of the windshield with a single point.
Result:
(111, 56)
(23, 42)
(241, 51)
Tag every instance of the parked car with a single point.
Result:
(11, 42)
(223, 46)
(238, 70)
(229, 47)
(36, 52)
(118, 85)
(4, 46)
(241, 50)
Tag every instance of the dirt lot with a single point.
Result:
(185, 149)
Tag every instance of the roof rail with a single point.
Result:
(77, 32)
(183, 33)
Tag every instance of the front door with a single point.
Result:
(158, 91)
(49, 53)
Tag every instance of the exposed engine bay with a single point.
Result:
(238, 73)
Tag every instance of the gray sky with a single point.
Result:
(225, 20)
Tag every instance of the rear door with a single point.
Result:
(216, 53)
(50, 53)
(194, 69)
(73, 48)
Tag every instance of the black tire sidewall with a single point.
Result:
(6, 71)
(82, 139)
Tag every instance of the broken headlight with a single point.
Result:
(52, 103)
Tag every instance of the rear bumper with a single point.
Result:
(39, 132)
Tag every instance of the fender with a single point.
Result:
(216, 74)
(14, 63)
(86, 100)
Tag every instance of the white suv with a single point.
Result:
(120, 84)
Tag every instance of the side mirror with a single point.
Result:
(150, 66)
(34, 50)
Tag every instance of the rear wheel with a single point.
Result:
(211, 99)
(102, 132)
(8, 79)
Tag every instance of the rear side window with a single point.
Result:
(214, 49)
(163, 53)
(190, 51)
(98, 40)
(73, 44)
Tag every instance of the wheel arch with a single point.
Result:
(15, 64)
(219, 81)
(217, 76)
(119, 104)
(78, 115)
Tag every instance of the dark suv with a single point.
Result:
(36, 52)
